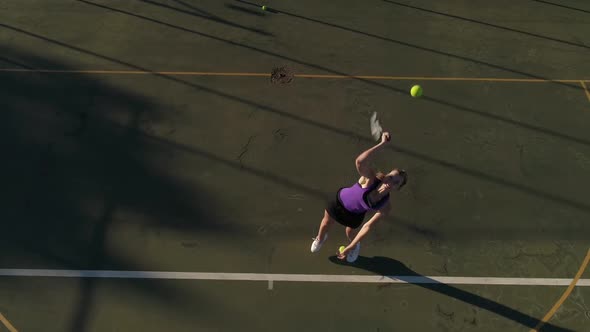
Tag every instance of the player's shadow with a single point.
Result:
(393, 268)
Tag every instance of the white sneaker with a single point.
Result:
(354, 253)
(317, 245)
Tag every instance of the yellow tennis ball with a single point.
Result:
(341, 249)
(263, 7)
(416, 91)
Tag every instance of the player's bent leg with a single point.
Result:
(327, 221)
(351, 233)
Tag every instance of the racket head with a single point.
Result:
(376, 129)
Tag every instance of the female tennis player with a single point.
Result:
(348, 208)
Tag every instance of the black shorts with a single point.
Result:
(344, 217)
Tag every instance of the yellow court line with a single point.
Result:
(129, 72)
(367, 77)
(7, 323)
(565, 295)
(425, 78)
(585, 89)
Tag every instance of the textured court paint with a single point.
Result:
(565, 295)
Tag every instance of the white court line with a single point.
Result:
(335, 278)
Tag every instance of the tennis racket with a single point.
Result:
(376, 129)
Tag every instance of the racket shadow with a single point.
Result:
(393, 268)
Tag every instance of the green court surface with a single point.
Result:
(146, 135)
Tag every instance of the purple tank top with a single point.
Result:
(354, 198)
